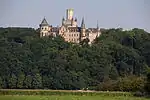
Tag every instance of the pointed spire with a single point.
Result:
(97, 25)
(76, 19)
(82, 23)
(63, 19)
(44, 22)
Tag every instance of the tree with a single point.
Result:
(28, 82)
(147, 85)
(1, 83)
(28, 61)
(13, 81)
(20, 81)
(37, 81)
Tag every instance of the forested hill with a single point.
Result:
(27, 61)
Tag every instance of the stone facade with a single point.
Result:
(70, 30)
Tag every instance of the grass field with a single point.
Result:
(8, 94)
(69, 97)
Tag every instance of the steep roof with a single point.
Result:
(44, 23)
(82, 23)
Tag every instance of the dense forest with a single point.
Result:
(117, 60)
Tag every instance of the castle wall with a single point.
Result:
(72, 37)
(44, 30)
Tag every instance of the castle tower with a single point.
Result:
(75, 22)
(97, 26)
(44, 28)
(98, 30)
(82, 23)
(83, 29)
(69, 14)
(63, 21)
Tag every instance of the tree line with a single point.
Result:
(30, 62)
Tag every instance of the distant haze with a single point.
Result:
(109, 13)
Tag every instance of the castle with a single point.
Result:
(70, 30)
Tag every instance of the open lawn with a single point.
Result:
(69, 97)
(11, 94)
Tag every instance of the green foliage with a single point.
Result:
(20, 81)
(30, 62)
(62, 93)
(70, 97)
(1, 83)
(131, 83)
(147, 84)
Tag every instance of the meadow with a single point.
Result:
(65, 95)
(69, 97)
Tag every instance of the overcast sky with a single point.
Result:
(109, 13)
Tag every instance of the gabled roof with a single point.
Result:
(44, 23)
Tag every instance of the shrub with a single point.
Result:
(61, 92)
(147, 84)
(109, 85)
(131, 83)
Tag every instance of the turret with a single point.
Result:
(44, 23)
(83, 29)
(44, 27)
(72, 22)
(63, 21)
(97, 26)
(69, 14)
(75, 22)
(82, 23)
(98, 30)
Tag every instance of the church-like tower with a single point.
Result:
(69, 21)
(83, 30)
(44, 28)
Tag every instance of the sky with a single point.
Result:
(125, 14)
